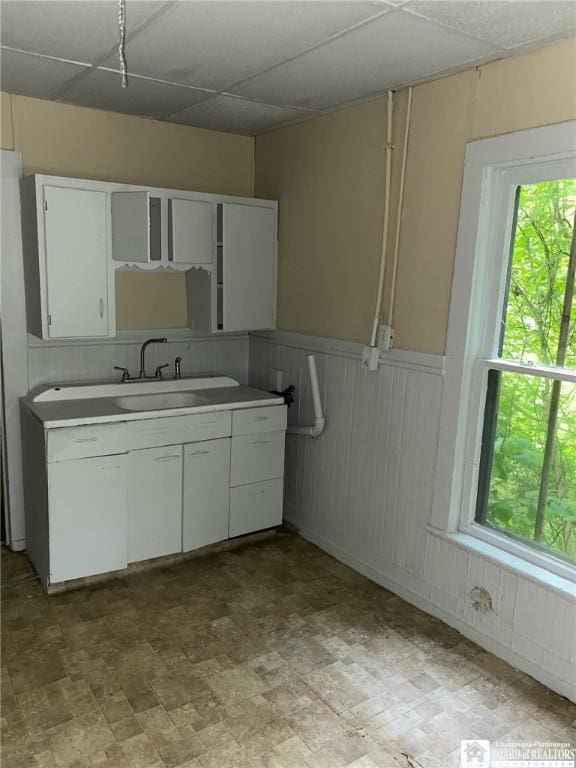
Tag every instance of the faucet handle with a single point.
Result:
(158, 374)
(125, 372)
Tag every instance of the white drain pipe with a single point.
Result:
(319, 421)
(385, 225)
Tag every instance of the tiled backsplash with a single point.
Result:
(50, 363)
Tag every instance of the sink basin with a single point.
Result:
(139, 387)
(160, 402)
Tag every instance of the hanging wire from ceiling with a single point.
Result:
(122, 42)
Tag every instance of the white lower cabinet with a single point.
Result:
(154, 502)
(158, 487)
(206, 495)
(256, 506)
(87, 516)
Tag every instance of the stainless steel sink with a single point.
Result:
(159, 402)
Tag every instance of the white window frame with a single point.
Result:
(493, 170)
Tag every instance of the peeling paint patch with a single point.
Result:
(481, 600)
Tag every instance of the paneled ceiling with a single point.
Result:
(248, 67)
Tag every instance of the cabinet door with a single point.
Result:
(206, 493)
(249, 267)
(87, 517)
(130, 226)
(76, 262)
(255, 507)
(191, 232)
(154, 502)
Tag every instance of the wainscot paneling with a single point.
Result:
(363, 492)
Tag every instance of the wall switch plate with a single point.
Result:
(276, 379)
(385, 337)
(370, 358)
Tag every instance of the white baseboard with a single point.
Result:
(563, 687)
(18, 545)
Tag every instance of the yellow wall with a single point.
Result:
(6, 132)
(328, 175)
(63, 140)
(148, 300)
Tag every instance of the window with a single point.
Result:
(506, 466)
(527, 477)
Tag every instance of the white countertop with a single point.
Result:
(77, 411)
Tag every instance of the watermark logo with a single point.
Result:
(475, 753)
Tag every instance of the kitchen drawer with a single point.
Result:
(81, 442)
(254, 507)
(175, 430)
(257, 457)
(249, 421)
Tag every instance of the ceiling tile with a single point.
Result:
(229, 113)
(215, 44)
(395, 49)
(102, 89)
(507, 23)
(36, 76)
(80, 30)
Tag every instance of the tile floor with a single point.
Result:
(271, 655)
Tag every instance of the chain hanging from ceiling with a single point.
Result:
(122, 42)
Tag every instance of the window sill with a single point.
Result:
(563, 586)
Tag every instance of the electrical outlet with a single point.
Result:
(276, 379)
(370, 358)
(385, 338)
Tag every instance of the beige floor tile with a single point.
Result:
(272, 655)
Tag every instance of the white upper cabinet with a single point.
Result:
(136, 227)
(246, 298)
(191, 231)
(76, 233)
(75, 222)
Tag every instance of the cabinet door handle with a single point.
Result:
(198, 453)
(86, 440)
(101, 307)
(168, 458)
(260, 442)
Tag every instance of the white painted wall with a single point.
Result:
(363, 492)
(13, 337)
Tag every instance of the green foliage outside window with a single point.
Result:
(531, 427)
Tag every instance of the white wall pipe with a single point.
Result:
(400, 208)
(386, 223)
(319, 421)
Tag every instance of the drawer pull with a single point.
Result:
(86, 440)
(260, 418)
(198, 453)
(260, 442)
(207, 424)
(168, 458)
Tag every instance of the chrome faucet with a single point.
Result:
(142, 374)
